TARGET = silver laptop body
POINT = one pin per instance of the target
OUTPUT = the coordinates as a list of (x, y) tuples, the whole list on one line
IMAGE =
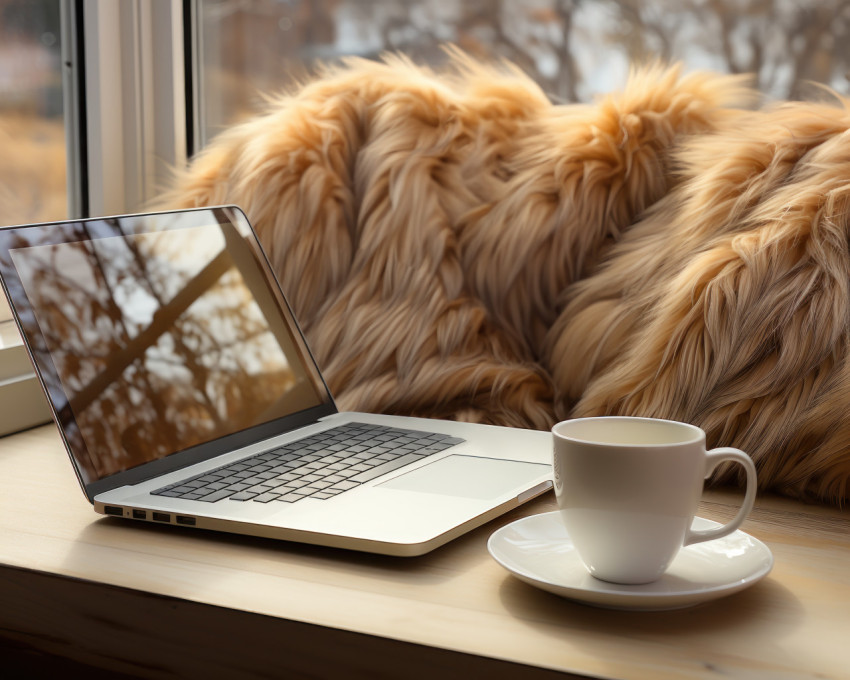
[(185, 394)]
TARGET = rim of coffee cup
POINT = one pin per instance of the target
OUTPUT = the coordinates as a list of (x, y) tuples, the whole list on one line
[(699, 434)]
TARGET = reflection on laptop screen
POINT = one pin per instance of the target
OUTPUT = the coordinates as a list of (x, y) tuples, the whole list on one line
[(160, 338)]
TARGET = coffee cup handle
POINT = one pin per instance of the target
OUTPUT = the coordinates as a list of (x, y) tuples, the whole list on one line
[(712, 459)]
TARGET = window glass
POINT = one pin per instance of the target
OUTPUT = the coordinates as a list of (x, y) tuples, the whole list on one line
[(574, 49), (32, 135)]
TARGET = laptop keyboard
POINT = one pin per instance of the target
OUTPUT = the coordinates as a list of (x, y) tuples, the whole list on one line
[(319, 466)]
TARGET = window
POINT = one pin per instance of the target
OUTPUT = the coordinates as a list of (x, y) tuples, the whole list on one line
[(32, 131), (33, 176), (574, 49), (133, 95), (148, 81)]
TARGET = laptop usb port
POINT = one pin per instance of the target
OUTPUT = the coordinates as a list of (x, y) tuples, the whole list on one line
[(189, 521), (161, 517), (113, 510), (140, 514)]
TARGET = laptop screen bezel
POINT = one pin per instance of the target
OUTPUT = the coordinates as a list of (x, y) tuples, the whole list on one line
[(58, 400)]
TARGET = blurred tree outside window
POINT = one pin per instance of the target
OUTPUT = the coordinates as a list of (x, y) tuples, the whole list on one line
[(32, 133), (575, 49)]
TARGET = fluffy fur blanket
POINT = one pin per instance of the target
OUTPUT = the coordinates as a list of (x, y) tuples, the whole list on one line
[(456, 246)]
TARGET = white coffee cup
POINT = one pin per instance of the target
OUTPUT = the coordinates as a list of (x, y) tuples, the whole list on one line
[(628, 490)]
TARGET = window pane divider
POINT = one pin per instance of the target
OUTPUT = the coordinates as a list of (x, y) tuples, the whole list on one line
[(135, 96)]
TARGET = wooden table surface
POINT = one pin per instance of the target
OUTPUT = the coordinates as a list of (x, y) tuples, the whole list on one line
[(159, 601)]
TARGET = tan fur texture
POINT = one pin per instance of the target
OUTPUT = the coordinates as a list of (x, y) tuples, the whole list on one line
[(456, 246), (728, 305)]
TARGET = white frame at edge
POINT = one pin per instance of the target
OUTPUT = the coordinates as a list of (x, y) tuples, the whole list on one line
[(135, 102)]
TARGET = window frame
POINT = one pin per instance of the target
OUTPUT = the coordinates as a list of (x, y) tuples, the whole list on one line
[(130, 100)]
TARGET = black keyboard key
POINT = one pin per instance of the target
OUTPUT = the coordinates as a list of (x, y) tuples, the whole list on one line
[(170, 493), (216, 496), (244, 496), (292, 497), (266, 497), (368, 475), (339, 487), (320, 485)]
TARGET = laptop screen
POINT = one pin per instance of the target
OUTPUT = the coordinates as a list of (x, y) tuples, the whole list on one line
[(156, 334)]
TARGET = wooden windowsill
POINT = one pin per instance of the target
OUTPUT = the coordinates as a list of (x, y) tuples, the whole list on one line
[(143, 599)]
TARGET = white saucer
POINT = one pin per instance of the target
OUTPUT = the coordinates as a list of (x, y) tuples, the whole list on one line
[(538, 550)]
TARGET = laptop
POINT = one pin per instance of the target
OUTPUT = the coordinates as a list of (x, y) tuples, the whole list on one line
[(185, 394)]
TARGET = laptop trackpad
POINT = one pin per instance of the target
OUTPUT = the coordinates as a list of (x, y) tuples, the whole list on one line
[(469, 477)]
